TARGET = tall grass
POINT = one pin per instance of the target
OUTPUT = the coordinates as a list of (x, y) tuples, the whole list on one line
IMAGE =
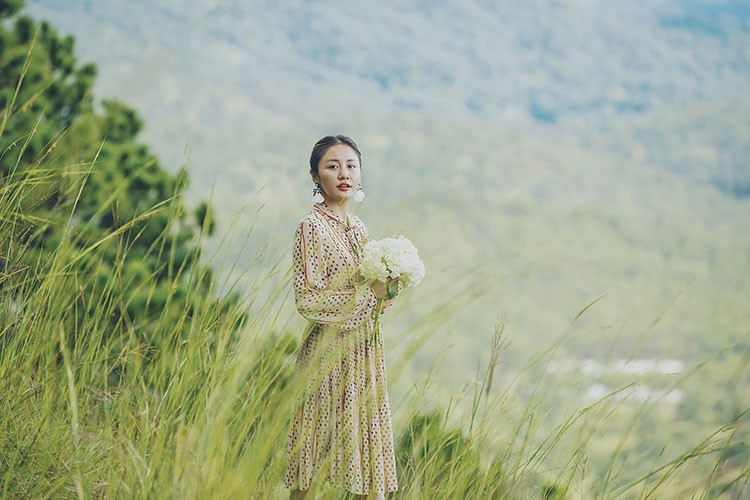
[(92, 410), (204, 414)]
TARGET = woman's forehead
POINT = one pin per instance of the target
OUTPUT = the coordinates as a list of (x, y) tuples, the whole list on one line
[(340, 152)]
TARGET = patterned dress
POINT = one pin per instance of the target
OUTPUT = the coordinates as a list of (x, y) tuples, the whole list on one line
[(341, 426)]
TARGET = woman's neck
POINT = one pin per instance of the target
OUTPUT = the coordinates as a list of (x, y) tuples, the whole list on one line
[(340, 209)]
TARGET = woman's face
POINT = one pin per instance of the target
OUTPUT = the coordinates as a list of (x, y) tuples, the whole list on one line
[(338, 174)]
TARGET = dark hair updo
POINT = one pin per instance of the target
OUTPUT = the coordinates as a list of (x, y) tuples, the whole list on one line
[(326, 142)]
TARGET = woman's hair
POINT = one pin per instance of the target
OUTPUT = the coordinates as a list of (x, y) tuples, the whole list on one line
[(326, 142)]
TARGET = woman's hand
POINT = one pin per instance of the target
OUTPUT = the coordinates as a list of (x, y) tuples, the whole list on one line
[(380, 288)]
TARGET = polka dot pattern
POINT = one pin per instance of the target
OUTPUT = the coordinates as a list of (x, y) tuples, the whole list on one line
[(341, 426)]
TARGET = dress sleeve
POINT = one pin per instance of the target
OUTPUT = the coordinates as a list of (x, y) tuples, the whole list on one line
[(348, 307)]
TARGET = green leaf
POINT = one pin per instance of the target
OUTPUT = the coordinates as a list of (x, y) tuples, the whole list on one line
[(392, 288)]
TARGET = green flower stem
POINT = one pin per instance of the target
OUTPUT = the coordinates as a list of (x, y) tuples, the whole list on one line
[(391, 292), (376, 327)]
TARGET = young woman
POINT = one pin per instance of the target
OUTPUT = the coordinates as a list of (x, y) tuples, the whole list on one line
[(341, 427)]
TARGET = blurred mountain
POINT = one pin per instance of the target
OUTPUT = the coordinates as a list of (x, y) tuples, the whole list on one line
[(206, 70), (546, 60)]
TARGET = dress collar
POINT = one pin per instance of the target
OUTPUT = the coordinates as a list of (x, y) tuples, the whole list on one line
[(326, 210)]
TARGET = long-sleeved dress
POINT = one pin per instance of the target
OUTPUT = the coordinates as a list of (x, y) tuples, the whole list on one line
[(341, 426)]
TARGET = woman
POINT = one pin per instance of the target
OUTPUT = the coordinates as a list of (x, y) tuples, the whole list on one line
[(341, 427)]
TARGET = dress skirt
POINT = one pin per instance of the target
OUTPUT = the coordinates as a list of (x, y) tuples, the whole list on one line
[(341, 427)]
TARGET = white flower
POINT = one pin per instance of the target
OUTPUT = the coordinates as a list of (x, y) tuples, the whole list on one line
[(392, 258)]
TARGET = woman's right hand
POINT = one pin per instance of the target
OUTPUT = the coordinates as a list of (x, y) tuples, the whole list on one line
[(380, 289)]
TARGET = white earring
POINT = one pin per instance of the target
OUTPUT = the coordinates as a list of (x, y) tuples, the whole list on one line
[(359, 195), (317, 195)]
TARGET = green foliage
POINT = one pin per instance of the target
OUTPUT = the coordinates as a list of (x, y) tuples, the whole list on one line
[(91, 188), (9, 7), (432, 457)]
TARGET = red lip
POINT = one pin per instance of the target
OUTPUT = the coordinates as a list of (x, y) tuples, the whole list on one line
[(343, 187)]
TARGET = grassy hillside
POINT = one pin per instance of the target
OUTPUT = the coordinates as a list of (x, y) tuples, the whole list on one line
[(202, 413), (537, 167)]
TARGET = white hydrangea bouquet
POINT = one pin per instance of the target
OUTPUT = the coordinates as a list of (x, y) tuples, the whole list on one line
[(394, 258)]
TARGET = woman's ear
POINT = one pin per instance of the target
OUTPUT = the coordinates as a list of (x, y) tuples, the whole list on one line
[(315, 178)]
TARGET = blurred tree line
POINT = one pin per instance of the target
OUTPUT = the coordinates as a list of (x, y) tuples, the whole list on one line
[(74, 178)]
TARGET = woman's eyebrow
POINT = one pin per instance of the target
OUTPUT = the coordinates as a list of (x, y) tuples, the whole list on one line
[(354, 160)]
